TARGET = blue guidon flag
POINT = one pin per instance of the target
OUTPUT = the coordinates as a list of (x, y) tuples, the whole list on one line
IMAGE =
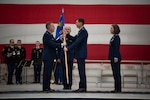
[(60, 25)]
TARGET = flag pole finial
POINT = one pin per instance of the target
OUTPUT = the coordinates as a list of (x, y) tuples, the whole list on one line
[(62, 10)]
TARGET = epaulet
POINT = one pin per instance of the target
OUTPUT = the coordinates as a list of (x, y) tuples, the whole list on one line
[(116, 34), (83, 28), (47, 32)]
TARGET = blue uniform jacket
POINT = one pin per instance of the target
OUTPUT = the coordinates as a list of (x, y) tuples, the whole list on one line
[(114, 48), (80, 44), (50, 45)]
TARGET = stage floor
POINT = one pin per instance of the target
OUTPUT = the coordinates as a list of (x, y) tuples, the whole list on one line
[(35, 91)]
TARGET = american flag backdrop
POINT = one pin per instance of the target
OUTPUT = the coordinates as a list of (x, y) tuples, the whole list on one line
[(25, 20)]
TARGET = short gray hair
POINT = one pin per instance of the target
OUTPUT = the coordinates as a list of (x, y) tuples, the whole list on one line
[(48, 24)]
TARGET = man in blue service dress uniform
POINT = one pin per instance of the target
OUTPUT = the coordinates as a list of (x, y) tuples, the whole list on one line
[(48, 55), (80, 45)]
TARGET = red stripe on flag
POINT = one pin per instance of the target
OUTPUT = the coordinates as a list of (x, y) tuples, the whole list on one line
[(128, 52), (93, 14), (100, 51)]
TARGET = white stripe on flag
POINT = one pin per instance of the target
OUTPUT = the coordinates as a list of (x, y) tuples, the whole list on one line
[(98, 33)]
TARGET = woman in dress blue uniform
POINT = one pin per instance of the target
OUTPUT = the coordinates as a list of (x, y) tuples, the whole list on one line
[(115, 57)]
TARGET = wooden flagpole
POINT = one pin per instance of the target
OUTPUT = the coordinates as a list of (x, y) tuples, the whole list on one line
[(66, 62), (65, 53)]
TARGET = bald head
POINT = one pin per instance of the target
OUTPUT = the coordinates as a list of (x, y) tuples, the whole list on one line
[(67, 29)]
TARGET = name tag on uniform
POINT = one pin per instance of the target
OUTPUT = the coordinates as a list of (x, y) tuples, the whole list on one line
[(14, 53), (18, 52)]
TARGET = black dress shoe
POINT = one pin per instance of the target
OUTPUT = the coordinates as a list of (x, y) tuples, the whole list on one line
[(48, 90), (51, 90), (9, 83), (60, 83), (20, 82), (80, 90), (55, 83), (67, 88), (17, 82), (115, 91), (38, 82)]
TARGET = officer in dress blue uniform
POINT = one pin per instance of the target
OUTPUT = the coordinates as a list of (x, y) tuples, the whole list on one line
[(10, 59), (115, 57), (80, 46), (37, 61), (48, 55), (20, 57), (70, 57)]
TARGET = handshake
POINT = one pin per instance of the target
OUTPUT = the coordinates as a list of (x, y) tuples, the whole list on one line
[(64, 45), (64, 33)]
